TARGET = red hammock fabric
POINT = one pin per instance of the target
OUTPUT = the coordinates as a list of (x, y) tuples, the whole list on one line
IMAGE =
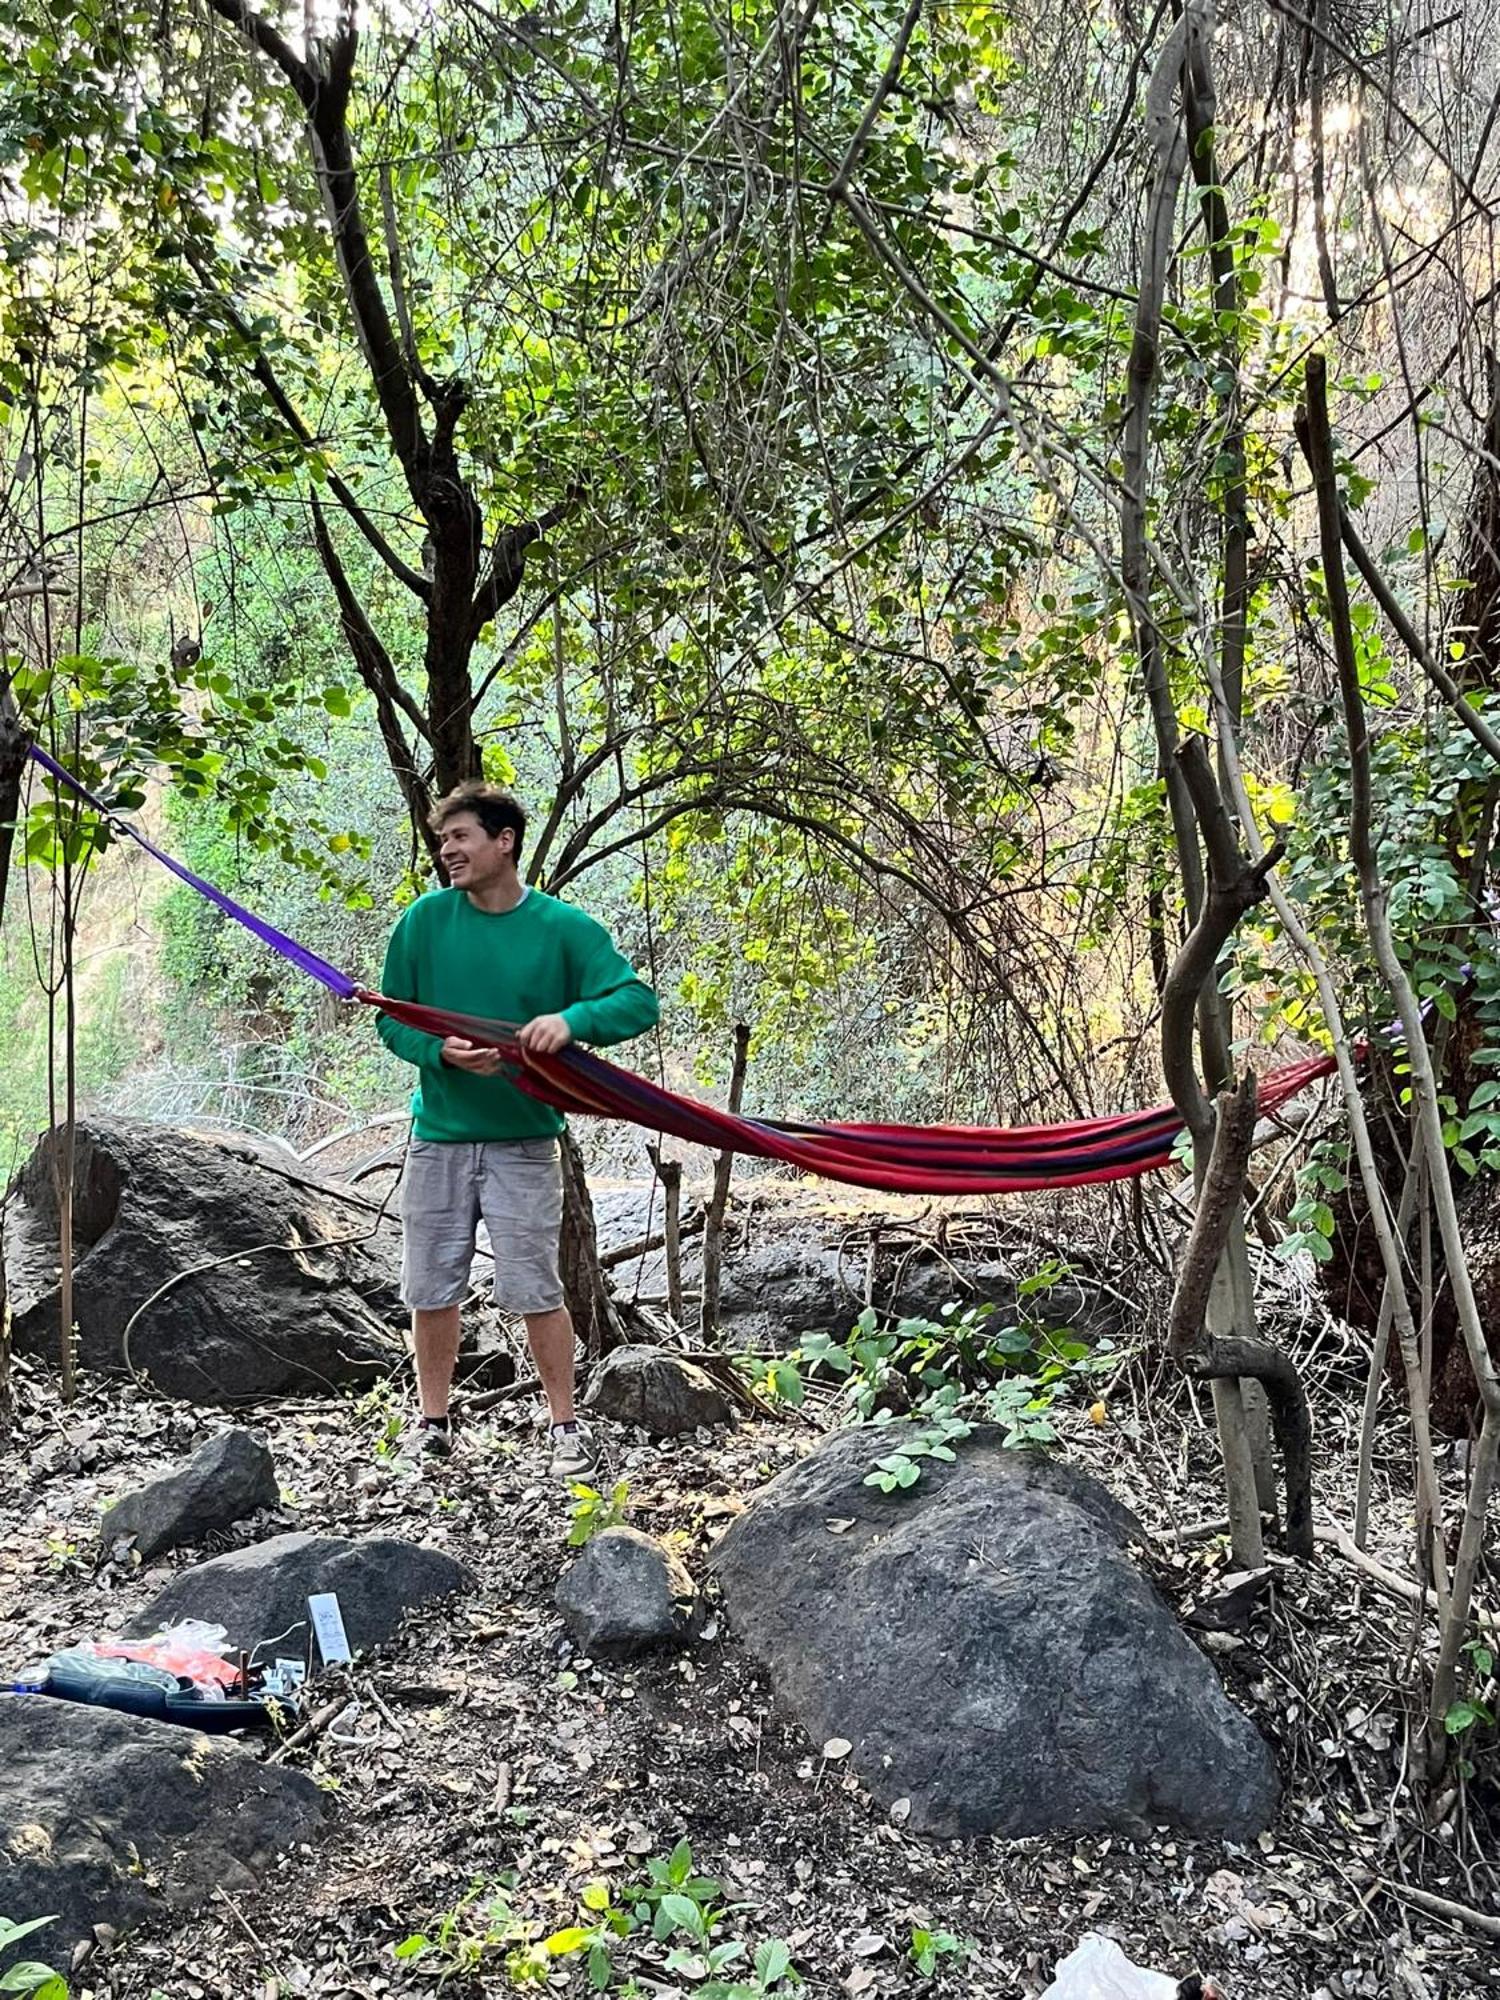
[(905, 1159), (901, 1159)]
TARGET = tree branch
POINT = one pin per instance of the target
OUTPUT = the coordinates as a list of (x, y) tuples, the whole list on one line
[(1223, 1357), (1411, 638), (1234, 886), (282, 403), (398, 286), (325, 100), (508, 559), (270, 42), (379, 675), (883, 90)]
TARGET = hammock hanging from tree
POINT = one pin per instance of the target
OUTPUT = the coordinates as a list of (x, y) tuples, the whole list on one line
[(902, 1159), (899, 1159)]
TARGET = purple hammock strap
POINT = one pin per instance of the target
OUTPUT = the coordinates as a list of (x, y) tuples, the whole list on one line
[(296, 954)]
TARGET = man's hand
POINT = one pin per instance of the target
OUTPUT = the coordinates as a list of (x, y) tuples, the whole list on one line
[(459, 1054), (545, 1035)]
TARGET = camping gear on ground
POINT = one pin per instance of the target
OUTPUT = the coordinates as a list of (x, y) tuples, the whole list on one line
[(179, 1674)]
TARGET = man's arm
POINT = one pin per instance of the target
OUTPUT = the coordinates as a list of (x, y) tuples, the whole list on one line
[(613, 1003), (399, 981)]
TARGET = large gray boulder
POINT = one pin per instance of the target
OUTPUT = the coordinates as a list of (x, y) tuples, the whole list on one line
[(987, 1646), (261, 1592), (108, 1819), (660, 1392), (150, 1204), (625, 1595), (225, 1480), (777, 1289)]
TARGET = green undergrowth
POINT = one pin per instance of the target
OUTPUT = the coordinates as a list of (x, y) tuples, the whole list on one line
[(970, 1367), (669, 1922), (28, 1978)]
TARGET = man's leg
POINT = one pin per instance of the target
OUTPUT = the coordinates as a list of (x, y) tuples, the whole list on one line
[(435, 1336), (550, 1337), (523, 1207), (439, 1212)]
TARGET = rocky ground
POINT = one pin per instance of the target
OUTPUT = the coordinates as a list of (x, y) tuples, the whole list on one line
[(485, 1759)]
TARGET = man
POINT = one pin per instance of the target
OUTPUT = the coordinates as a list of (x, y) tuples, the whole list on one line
[(489, 945)]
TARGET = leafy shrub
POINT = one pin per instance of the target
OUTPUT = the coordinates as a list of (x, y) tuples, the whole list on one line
[(594, 1511), (949, 1375)]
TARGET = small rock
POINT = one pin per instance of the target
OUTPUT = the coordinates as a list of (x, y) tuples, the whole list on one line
[(624, 1595), (230, 1477), (261, 1593), (664, 1394)]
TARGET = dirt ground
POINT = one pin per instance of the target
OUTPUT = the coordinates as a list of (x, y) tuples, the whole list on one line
[(484, 1753)]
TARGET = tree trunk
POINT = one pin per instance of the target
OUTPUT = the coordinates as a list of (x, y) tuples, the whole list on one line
[(13, 748), (713, 1231), (596, 1319)]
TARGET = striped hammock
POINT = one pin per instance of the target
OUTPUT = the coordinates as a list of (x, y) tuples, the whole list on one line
[(901, 1159)]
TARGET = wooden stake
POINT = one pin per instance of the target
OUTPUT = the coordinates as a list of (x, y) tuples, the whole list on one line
[(669, 1173), (713, 1231)]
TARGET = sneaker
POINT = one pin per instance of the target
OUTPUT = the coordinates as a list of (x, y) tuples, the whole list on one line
[(427, 1440), (573, 1450)]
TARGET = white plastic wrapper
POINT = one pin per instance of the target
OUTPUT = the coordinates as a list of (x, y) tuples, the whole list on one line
[(1097, 1969)]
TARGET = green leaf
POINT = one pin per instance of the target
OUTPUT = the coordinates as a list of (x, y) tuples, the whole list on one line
[(12, 1933), (786, 1382), (40, 1982), (682, 1914), (772, 1961), (1463, 1715), (561, 1943)]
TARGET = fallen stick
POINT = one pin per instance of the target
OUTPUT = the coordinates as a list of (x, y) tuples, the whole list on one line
[(491, 1397), (1440, 1906), (239, 1916), (373, 1693), (318, 1720), (1406, 1588), (691, 1225)]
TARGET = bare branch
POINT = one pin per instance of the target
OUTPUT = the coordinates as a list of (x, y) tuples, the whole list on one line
[(379, 675), (883, 90)]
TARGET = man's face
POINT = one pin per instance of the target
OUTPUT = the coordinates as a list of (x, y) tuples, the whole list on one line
[(472, 857)]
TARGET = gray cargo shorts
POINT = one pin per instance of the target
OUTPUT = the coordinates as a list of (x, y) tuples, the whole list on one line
[(516, 1186)]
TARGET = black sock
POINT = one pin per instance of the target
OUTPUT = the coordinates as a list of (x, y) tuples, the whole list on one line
[(436, 1423)]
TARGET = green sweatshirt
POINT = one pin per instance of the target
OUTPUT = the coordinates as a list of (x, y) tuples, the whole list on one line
[(542, 957)]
